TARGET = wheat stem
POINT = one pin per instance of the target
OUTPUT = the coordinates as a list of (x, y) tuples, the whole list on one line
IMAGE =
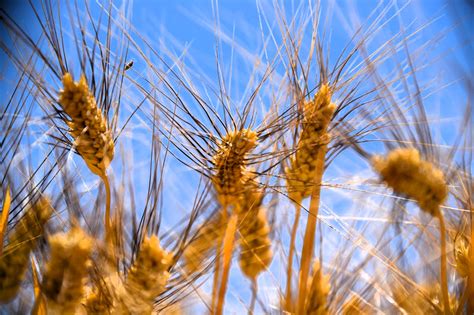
[(107, 224), (217, 266), (444, 277), (309, 236), (39, 307), (289, 269), (228, 246), (4, 217), (470, 277), (215, 283), (254, 296)]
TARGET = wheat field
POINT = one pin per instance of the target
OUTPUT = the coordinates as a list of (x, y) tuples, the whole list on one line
[(236, 157)]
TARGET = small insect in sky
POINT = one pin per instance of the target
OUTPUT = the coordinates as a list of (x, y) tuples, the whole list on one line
[(128, 65)]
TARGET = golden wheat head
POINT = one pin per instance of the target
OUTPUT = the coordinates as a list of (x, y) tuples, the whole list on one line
[(316, 117), (406, 173), (229, 162), (255, 246), (87, 125)]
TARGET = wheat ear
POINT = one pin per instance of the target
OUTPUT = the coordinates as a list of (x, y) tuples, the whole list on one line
[(316, 303), (406, 173), (148, 276), (306, 173), (255, 248), (209, 235), (14, 260), (88, 126), (66, 270), (229, 183), (255, 244), (462, 257), (229, 164)]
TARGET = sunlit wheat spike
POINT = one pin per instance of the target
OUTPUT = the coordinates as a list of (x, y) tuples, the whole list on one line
[(66, 270), (209, 235), (316, 301), (407, 173), (87, 125), (304, 177), (229, 163), (255, 244), (317, 114), (22, 240), (148, 276)]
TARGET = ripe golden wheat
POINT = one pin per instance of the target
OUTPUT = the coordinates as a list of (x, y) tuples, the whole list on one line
[(260, 164)]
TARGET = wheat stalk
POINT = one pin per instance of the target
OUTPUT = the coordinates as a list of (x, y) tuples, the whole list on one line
[(406, 173), (4, 218), (229, 182), (87, 125), (305, 176)]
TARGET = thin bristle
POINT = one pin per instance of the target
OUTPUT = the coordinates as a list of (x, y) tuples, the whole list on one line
[(355, 306), (426, 300), (96, 303)]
